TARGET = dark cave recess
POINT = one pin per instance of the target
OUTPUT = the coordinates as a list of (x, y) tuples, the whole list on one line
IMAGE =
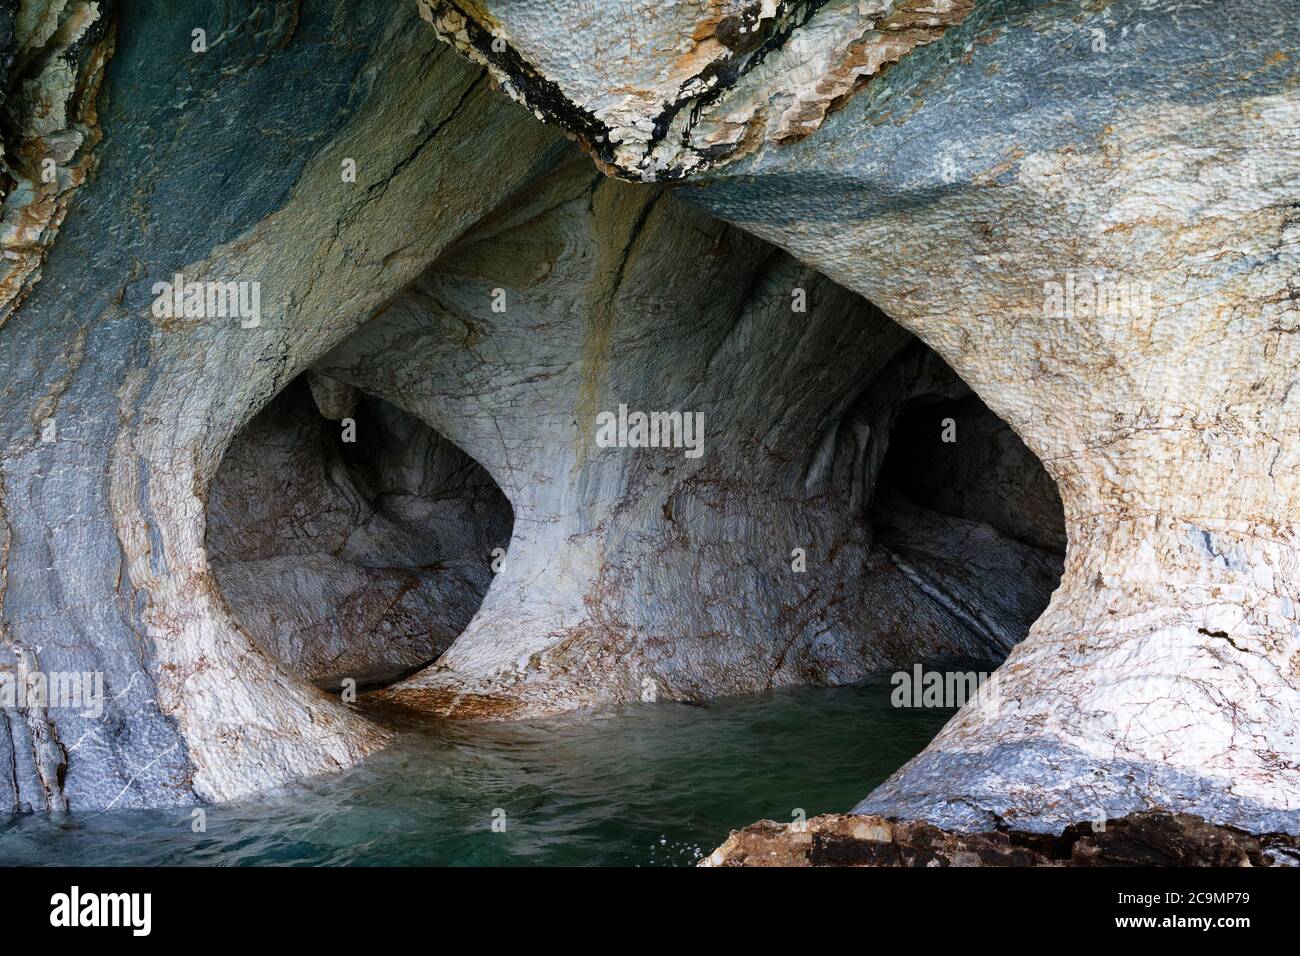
[(358, 559)]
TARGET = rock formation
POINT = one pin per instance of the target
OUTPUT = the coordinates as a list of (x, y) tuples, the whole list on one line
[(356, 559), (1082, 218), (273, 435), (1149, 838), (740, 563), (53, 66), (1092, 219), (226, 157)]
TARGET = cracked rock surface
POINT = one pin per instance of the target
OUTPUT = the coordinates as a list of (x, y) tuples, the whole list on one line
[(52, 58), (657, 91)]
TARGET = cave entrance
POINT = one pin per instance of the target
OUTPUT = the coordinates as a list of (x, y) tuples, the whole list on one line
[(349, 539), (967, 513)]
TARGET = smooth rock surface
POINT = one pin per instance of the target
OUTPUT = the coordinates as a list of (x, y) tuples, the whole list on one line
[(352, 550), (1086, 213)]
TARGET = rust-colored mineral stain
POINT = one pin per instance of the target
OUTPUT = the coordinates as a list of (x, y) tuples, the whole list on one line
[(446, 702), (1146, 838), (887, 42)]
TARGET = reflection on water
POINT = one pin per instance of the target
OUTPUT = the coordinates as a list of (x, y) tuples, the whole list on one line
[(652, 784)]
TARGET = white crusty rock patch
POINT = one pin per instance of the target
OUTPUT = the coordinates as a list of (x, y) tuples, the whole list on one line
[(691, 89)]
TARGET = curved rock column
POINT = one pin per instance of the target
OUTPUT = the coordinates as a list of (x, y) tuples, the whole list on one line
[(225, 160), (985, 191)]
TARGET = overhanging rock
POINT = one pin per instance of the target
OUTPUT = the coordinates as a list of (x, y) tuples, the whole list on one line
[(1094, 221)]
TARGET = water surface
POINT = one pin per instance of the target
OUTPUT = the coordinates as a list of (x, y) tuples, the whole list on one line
[(649, 785)]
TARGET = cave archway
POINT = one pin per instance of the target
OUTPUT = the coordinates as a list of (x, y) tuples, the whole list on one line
[(351, 540), (640, 572), (967, 512)]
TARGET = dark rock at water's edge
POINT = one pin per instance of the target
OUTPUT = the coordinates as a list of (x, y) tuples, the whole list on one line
[(1149, 838)]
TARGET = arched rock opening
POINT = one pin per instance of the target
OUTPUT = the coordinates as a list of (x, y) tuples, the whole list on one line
[(1168, 419), (967, 512), (349, 539), (644, 572), (103, 548)]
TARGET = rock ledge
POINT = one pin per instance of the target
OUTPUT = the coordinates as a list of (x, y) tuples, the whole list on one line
[(1150, 838)]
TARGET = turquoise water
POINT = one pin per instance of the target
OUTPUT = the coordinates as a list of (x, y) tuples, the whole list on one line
[(651, 784)]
